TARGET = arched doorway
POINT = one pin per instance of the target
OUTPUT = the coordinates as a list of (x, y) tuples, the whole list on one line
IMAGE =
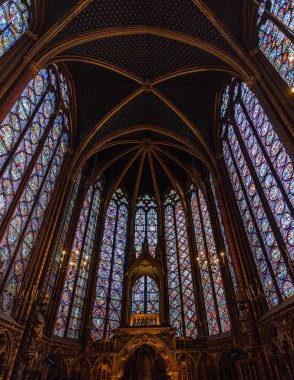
[(145, 364)]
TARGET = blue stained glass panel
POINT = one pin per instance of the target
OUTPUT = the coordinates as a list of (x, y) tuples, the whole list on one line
[(107, 306), (14, 22), (182, 306)]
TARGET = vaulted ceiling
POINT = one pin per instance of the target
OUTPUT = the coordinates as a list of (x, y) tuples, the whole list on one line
[(147, 70)]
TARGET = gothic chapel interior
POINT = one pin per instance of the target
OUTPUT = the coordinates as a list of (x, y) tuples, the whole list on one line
[(146, 189)]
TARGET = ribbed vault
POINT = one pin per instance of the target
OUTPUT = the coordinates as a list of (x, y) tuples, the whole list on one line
[(143, 164), (145, 71)]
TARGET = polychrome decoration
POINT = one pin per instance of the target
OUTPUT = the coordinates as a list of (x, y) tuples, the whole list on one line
[(182, 308), (273, 41), (107, 307), (33, 142), (262, 177), (15, 16), (70, 312), (217, 313), (145, 296), (146, 224)]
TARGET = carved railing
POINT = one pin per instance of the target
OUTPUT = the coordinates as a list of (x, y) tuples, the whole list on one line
[(144, 320)]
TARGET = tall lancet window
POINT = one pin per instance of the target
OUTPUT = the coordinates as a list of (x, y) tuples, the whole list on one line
[(274, 36), (182, 308), (217, 313), (71, 307), (33, 142), (109, 286), (262, 177), (61, 240), (146, 224), (15, 17), (145, 296), (222, 229)]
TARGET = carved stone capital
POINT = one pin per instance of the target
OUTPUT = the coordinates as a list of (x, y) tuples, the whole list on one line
[(32, 35), (147, 86), (33, 67), (253, 79), (253, 52), (72, 177)]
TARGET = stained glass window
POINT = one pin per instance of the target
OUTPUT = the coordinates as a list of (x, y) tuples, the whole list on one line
[(60, 250), (33, 142), (261, 174), (108, 300), (15, 16), (273, 42), (145, 296), (146, 224), (226, 246), (182, 308), (70, 312), (217, 314), (283, 10)]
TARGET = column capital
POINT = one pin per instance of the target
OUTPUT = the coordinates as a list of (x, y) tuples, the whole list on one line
[(32, 35), (252, 80)]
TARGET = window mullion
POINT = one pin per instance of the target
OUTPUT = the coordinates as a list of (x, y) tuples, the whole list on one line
[(208, 265), (256, 226)]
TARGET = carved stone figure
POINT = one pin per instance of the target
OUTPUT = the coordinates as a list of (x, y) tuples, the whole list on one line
[(39, 321)]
